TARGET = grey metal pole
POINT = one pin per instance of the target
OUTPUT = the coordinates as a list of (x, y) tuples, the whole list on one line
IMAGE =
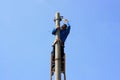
[(57, 50)]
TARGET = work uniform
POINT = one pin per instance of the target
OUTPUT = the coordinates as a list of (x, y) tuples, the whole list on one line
[(63, 35)]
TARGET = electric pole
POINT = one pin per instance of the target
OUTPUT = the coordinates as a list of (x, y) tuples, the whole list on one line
[(57, 49)]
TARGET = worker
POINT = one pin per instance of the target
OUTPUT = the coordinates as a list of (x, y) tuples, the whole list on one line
[(64, 31)]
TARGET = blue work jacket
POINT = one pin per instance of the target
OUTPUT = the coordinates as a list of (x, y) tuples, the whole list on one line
[(63, 33)]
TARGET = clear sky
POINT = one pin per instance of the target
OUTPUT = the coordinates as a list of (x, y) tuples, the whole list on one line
[(92, 47)]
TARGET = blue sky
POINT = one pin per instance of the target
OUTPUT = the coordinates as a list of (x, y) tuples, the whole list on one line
[(92, 48)]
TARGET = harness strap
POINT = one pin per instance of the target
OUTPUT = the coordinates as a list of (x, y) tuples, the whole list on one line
[(57, 58)]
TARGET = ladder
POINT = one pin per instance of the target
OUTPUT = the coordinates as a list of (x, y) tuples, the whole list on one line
[(52, 69)]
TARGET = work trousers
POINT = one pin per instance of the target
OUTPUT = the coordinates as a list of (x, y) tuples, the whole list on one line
[(62, 52)]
